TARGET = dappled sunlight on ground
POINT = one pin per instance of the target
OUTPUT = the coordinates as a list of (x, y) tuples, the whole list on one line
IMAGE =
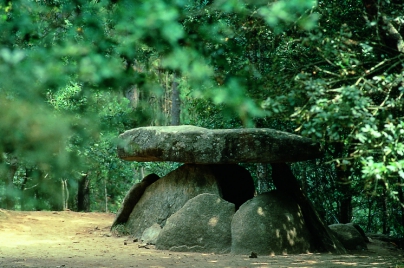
[(70, 239)]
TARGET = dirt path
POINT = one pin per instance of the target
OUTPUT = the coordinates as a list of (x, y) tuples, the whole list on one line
[(71, 239)]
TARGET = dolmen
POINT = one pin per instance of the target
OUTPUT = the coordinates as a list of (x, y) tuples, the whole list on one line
[(209, 205)]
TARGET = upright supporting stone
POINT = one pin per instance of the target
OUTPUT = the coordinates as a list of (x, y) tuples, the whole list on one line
[(323, 238), (131, 198), (219, 150)]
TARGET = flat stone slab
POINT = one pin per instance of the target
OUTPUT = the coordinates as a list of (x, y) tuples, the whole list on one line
[(197, 145)]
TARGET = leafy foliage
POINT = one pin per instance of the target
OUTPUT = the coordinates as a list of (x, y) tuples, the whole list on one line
[(319, 69)]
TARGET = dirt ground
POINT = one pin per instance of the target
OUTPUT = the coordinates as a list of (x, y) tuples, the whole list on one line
[(71, 239)]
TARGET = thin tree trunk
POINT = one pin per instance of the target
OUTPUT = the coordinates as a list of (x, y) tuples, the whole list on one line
[(141, 173), (344, 187), (323, 238), (345, 213), (370, 217), (83, 193), (10, 189), (167, 98), (67, 195), (401, 198), (23, 197), (106, 195), (132, 94), (386, 216), (63, 194), (175, 103)]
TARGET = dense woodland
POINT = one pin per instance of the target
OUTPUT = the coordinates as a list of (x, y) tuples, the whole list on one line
[(75, 74)]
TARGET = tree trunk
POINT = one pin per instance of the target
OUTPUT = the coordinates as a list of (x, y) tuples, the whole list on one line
[(322, 237), (175, 103), (65, 194), (83, 193), (23, 197), (401, 198), (345, 212), (10, 197), (106, 195), (386, 216), (64, 207), (132, 94), (370, 217), (343, 187)]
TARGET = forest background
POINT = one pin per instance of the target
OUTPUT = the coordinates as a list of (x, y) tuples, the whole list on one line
[(76, 74)]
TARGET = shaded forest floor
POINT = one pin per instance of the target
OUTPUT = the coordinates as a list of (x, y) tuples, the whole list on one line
[(71, 239)]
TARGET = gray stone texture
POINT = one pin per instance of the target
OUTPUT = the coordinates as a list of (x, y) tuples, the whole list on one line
[(201, 225), (150, 234), (190, 144), (349, 236), (269, 224), (132, 197), (360, 230), (168, 194)]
